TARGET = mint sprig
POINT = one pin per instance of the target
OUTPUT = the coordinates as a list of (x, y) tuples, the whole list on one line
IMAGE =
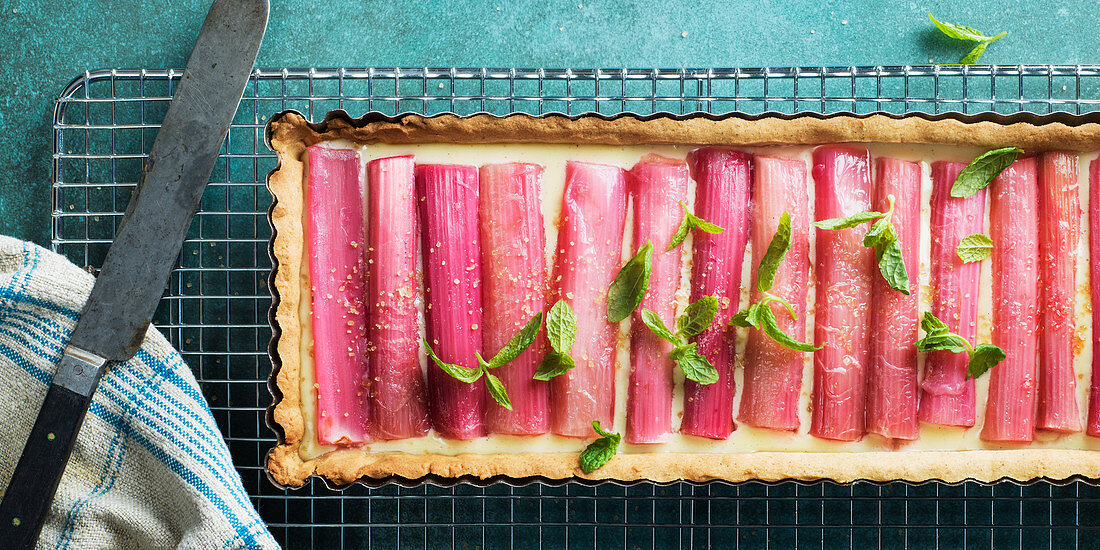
[(974, 248), (630, 284), (759, 315), (938, 337), (970, 34), (882, 236), (519, 342), (691, 221), (561, 331), (982, 170), (600, 451), (695, 319)]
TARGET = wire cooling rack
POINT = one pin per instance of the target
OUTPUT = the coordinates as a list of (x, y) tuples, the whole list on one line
[(216, 302)]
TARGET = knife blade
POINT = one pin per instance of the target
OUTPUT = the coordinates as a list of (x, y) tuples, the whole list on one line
[(131, 282)]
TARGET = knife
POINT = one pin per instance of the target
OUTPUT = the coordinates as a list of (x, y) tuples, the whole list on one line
[(116, 317)]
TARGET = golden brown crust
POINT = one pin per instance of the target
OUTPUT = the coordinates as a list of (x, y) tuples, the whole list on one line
[(630, 130), (343, 467), (290, 134)]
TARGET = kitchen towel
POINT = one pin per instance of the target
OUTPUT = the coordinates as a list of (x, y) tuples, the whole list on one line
[(150, 468)]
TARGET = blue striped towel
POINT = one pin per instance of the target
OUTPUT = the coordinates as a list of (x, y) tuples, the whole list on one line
[(150, 468)]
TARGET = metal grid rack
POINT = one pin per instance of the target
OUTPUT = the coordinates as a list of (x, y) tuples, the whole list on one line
[(215, 307)]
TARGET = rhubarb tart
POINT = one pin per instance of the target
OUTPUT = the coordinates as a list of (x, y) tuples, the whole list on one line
[(684, 298)]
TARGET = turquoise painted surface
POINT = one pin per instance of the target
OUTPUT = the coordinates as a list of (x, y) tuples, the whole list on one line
[(46, 43)]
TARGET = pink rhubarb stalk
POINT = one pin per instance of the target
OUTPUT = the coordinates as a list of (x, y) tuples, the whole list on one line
[(448, 197), (1093, 423), (334, 207), (658, 185), (892, 391), (773, 373), (843, 309), (589, 253), (399, 407), (1014, 228), (1060, 210), (947, 396), (723, 186), (513, 264)]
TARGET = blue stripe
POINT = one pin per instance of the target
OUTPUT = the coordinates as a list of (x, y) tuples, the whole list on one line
[(113, 381), (178, 468), (14, 290), (170, 372)]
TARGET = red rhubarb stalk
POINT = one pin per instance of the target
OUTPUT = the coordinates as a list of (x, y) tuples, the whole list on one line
[(723, 185), (334, 206), (773, 373), (1094, 281), (1060, 210), (399, 406), (448, 197), (843, 309), (892, 391), (658, 186), (513, 264), (1014, 229), (947, 395), (589, 252)]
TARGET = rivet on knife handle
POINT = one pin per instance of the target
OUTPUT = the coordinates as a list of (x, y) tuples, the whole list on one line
[(125, 295)]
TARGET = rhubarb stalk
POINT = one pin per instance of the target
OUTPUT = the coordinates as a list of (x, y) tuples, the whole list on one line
[(947, 395), (1014, 229), (892, 391), (399, 407), (513, 263), (334, 207), (658, 186), (843, 310), (448, 197), (773, 373), (1094, 281), (589, 251), (1060, 210), (723, 184)]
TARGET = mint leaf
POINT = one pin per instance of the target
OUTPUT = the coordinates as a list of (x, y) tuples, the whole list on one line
[(458, 372), (629, 286), (600, 451), (520, 341), (985, 357), (777, 250), (561, 327), (850, 221), (939, 336), (771, 327), (694, 366), (982, 170), (892, 266), (963, 32), (497, 391), (883, 238), (974, 248), (932, 324), (697, 317), (554, 364), (748, 317), (881, 233), (655, 324), (691, 221), (975, 53)]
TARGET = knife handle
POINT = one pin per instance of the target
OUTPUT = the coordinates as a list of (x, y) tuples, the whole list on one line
[(31, 489)]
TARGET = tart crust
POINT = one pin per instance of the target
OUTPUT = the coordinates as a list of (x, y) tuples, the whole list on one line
[(289, 134)]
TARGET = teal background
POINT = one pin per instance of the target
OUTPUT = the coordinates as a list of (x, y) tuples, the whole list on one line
[(45, 43)]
